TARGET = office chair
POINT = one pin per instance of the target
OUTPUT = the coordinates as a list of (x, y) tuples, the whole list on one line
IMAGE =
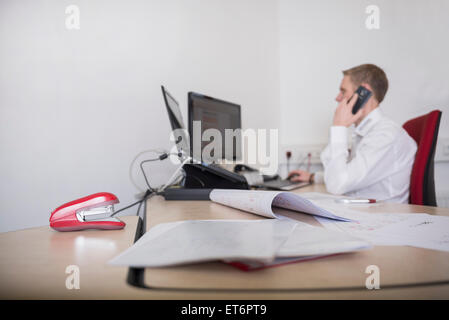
[(424, 130)]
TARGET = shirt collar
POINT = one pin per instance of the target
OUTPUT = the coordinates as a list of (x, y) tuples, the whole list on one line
[(368, 123)]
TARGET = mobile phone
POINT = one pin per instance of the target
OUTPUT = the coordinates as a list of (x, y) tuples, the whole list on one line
[(364, 95)]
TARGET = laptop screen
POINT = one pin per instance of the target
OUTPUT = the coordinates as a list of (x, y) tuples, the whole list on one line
[(180, 134)]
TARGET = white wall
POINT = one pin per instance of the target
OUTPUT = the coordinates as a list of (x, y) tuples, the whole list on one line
[(319, 39), (77, 106)]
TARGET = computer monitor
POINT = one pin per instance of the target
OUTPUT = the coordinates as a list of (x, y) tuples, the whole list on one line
[(215, 114), (177, 123)]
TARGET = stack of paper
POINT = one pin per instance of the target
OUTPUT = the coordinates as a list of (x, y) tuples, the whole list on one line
[(260, 241)]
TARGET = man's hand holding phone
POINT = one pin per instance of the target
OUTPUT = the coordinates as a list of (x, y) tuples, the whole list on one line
[(343, 114)]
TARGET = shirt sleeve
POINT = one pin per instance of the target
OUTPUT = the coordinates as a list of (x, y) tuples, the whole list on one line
[(341, 176)]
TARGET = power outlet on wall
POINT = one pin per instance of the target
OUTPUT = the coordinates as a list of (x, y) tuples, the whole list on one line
[(300, 153), (299, 158)]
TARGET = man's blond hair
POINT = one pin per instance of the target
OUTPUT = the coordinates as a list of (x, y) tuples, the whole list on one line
[(371, 74)]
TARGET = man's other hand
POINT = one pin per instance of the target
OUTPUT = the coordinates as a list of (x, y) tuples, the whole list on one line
[(343, 114), (299, 176)]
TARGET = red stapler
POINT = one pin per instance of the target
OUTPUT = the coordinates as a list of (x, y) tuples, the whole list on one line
[(91, 212)]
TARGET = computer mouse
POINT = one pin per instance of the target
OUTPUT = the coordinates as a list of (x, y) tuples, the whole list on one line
[(90, 212)]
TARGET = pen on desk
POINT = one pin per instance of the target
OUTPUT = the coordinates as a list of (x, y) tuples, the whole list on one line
[(356, 200)]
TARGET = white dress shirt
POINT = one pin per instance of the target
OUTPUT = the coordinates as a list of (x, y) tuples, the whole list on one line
[(379, 165)]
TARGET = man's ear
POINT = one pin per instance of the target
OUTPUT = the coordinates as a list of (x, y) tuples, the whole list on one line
[(366, 85)]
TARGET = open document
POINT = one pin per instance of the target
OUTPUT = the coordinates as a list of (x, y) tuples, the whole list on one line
[(261, 202), (261, 241), (385, 229), (422, 231)]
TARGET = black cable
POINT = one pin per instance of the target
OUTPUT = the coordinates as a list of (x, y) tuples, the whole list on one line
[(143, 171), (131, 205), (163, 156), (150, 190), (147, 193), (138, 208), (142, 203)]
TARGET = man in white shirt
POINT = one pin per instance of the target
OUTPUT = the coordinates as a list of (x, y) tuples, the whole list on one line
[(380, 161)]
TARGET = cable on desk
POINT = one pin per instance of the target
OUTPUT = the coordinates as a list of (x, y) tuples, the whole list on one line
[(147, 194)]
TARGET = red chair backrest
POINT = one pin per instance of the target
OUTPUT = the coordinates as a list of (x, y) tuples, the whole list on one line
[(424, 130)]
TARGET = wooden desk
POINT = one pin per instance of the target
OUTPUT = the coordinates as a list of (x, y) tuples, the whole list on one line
[(33, 263)]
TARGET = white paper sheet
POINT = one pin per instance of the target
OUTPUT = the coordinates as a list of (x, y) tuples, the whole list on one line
[(423, 231), (307, 240), (386, 229), (194, 241), (261, 202), (190, 241)]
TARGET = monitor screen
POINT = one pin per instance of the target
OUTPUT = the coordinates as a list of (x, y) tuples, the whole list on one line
[(214, 114), (177, 123)]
